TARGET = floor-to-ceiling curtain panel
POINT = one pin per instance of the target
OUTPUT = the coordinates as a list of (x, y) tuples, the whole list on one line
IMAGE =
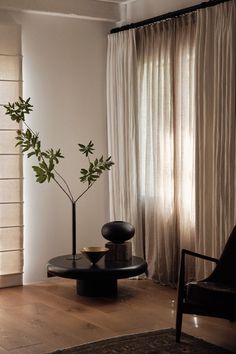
[(122, 110), (166, 79), (184, 134), (215, 127)]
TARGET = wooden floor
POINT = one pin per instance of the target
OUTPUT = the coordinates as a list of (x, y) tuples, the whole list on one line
[(46, 316)]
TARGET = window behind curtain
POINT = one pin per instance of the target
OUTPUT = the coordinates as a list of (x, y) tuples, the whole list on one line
[(11, 174), (166, 126), (167, 120)]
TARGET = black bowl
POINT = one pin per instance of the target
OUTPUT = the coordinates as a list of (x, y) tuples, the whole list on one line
[(118, 231)]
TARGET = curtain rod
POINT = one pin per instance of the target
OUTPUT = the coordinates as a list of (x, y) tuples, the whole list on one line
[(168, 15)]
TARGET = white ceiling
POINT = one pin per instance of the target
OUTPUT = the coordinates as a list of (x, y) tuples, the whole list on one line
[(118, 1), (100, 10)]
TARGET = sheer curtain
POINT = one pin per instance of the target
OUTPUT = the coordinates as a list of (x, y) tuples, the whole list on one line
[(122, 110), (215, 127), (166, 135), (11, 174), (182, 161)]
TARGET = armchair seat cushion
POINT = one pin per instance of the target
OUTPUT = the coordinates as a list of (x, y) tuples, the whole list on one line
[(214, 296)]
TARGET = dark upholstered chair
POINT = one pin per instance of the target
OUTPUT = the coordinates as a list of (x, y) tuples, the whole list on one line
[(214, 296)]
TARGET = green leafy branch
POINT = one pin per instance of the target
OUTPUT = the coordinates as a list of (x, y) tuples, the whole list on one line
[(47, 159), (45, 170), (95, 169), (17, 110)]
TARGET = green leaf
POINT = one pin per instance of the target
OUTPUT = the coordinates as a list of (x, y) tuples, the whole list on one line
[(87, 149), (28, 134), (38, 170), (51, 165), (83, 179), (43, 165), (49, 176), (17, 144), (26, 148), (31, 154), (41, 178)]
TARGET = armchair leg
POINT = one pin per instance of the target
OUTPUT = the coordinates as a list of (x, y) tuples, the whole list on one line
[(178, 327), (180, 297)]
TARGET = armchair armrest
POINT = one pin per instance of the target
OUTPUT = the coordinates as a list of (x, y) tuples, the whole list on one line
[(198, 255), (182, 270)]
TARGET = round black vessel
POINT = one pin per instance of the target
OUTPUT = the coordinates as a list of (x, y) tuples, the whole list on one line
[(118, 231)]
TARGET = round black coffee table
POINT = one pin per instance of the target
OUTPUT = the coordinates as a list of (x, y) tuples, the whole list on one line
[(95, 280)]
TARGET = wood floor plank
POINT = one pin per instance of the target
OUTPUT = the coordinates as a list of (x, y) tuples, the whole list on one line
[(43, 317)]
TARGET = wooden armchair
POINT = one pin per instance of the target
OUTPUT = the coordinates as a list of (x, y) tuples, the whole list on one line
[(214, 296)]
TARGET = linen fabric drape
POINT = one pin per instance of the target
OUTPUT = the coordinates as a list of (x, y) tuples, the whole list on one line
[(122, 131), (175, 169), (11, 172), (216, 128), (166, 136)]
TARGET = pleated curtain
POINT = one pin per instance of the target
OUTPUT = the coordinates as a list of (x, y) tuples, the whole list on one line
[(215, 128), (166, 136), (11, 173), (122, 110), (175, 170)]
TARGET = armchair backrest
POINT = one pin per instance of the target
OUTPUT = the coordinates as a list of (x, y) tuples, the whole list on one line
[(225, 270)]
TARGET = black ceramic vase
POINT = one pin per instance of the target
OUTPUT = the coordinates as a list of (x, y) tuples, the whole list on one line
[(118, 231)]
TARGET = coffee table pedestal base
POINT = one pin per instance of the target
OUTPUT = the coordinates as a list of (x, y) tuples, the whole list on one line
[(100, 280), (97, 287)]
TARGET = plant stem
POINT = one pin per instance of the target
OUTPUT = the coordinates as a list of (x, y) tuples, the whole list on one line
[(72, 198), (29, 128), (60, 186), (84, 192)]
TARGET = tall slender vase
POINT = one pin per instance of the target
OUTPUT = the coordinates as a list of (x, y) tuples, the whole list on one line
[(73, 230), (73, 255)]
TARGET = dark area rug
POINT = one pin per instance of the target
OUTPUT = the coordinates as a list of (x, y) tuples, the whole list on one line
[(155, 342)]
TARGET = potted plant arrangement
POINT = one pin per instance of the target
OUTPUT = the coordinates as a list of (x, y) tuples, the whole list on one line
[(48, 160)]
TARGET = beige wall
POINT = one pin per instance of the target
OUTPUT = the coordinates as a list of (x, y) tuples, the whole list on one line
[(142, 9), (64, 73)]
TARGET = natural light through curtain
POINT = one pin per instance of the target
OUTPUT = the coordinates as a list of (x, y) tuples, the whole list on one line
[(185, 129), (11, 174), (166, 77)]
